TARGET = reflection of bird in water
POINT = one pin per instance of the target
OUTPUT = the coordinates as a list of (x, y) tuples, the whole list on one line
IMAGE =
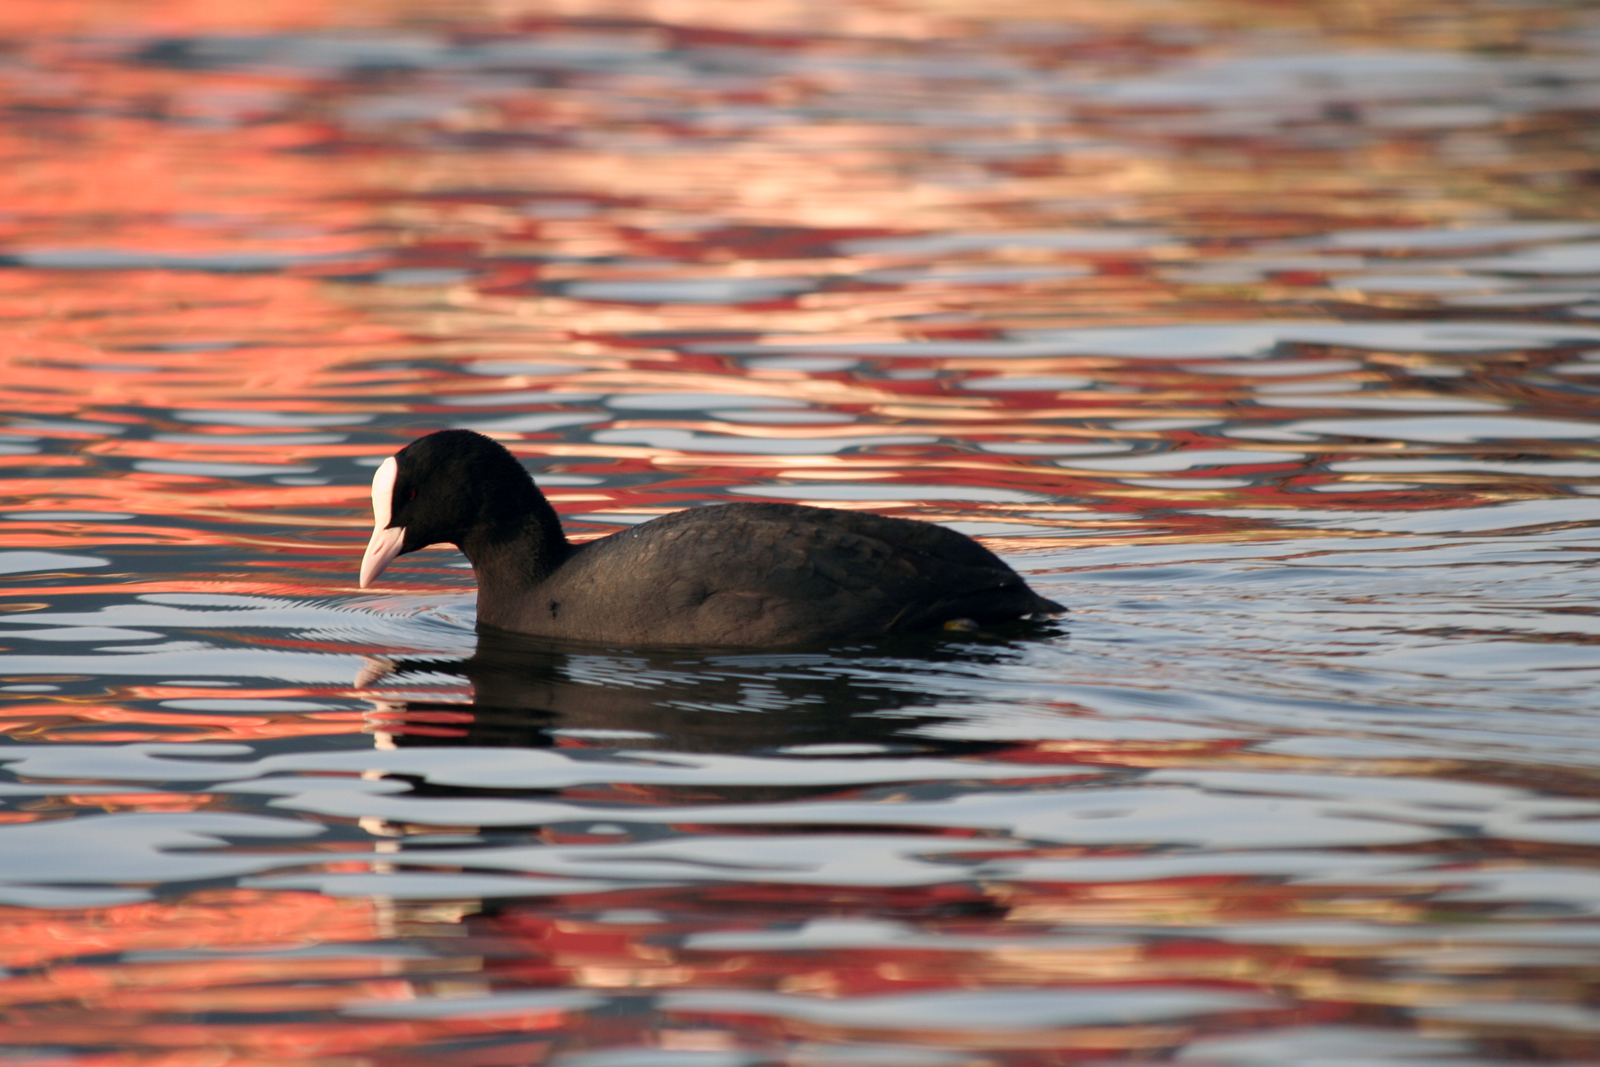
[(870, 702), (736, 575), (732, 728)]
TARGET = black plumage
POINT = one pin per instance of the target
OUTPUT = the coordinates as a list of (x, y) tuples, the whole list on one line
[(745, 574)]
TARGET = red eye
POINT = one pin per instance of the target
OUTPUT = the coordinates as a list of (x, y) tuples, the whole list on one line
[(411, 494)]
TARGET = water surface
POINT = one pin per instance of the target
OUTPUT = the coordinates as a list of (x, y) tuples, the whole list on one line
[(1266, 340)]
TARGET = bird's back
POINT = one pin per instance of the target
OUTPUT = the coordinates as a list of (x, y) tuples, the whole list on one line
[(772, 574)]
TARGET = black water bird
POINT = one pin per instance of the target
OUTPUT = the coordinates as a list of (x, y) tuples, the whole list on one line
[(731, 575)]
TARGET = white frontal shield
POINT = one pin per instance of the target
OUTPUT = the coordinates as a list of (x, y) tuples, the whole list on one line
[(386, 539)]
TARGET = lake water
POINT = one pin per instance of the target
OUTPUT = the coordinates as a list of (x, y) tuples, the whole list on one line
[(1264, 337)]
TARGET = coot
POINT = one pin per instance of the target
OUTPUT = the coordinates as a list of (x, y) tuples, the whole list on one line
[(750, 575)]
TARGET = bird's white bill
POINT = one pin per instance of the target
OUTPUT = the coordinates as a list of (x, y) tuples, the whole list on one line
[(386, 540), (384, 547)]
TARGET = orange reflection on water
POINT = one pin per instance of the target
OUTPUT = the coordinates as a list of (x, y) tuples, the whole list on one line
[(237, 917), (58, 721)]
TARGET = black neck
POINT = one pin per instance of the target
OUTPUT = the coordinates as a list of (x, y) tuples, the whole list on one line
[(509, 562)]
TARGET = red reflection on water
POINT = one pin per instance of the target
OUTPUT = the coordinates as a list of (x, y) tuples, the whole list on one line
[(63, 721)]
